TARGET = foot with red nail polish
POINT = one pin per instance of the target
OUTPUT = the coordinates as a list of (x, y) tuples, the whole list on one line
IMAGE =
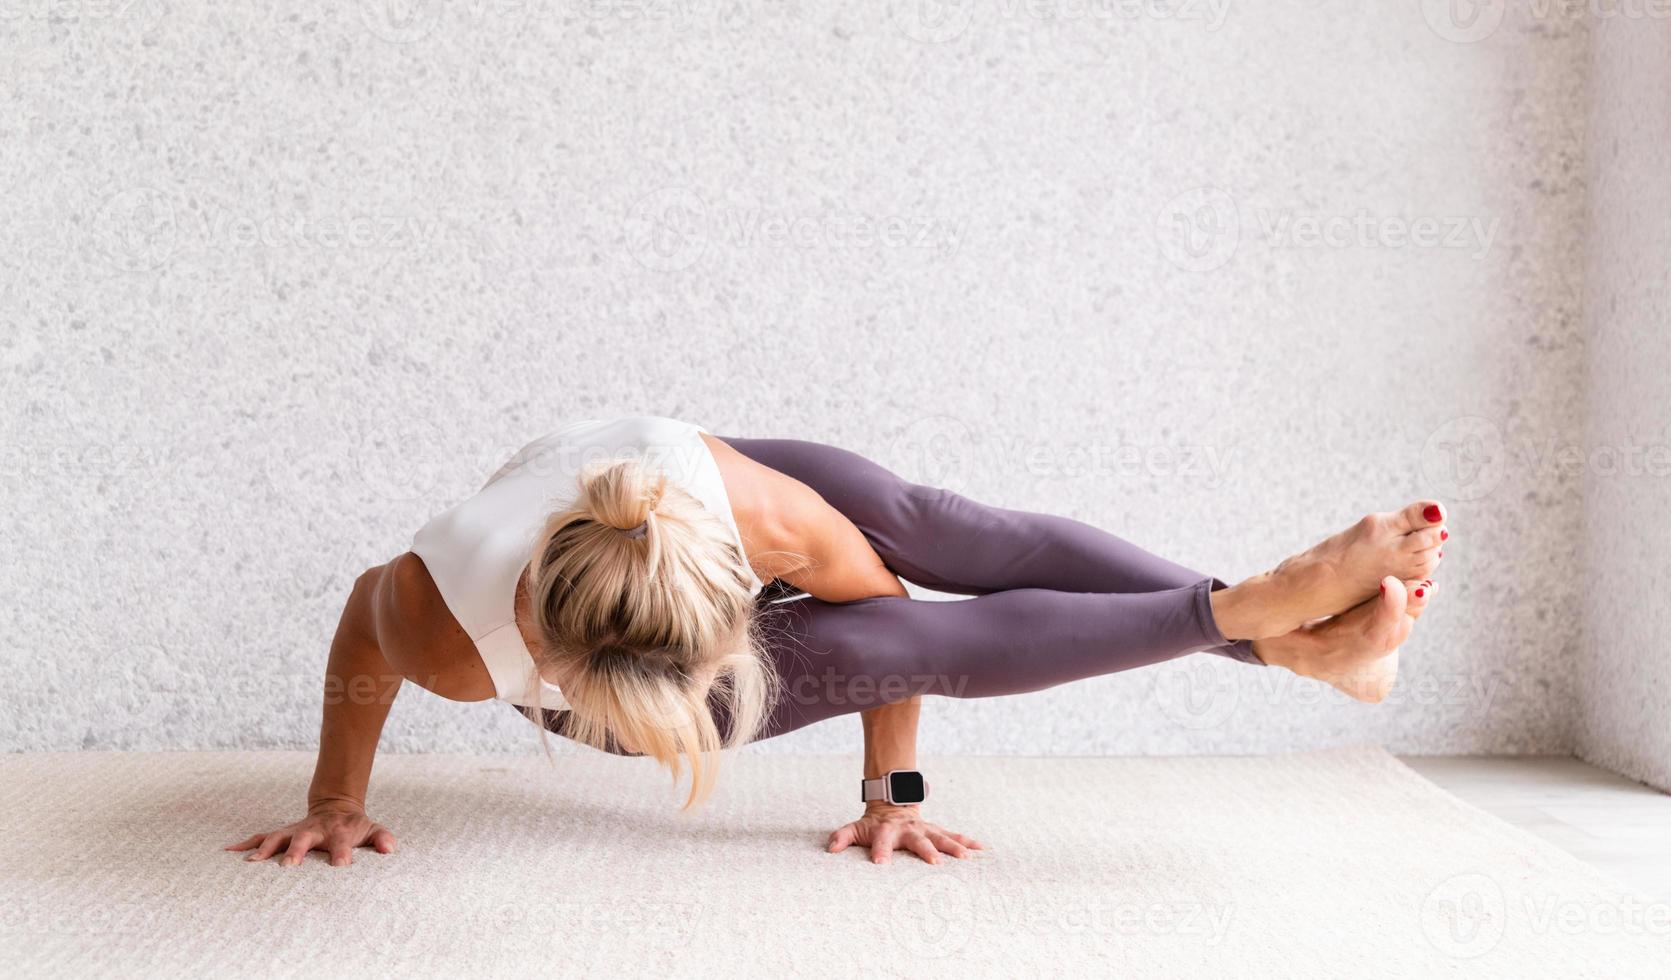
[(1357, 651), (1421, 594), (1335, 575)]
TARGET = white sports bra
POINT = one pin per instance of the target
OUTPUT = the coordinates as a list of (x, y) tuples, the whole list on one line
[(477, 551)]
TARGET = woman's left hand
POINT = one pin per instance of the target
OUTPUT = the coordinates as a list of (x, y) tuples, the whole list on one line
[(886, 828)]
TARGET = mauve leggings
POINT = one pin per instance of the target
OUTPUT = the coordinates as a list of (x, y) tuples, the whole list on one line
[(1056, 600)]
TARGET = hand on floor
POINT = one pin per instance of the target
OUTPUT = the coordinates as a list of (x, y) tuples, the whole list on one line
[(335, 829), (886, 828)]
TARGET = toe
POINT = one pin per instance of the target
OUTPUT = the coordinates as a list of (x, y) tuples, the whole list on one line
[(1424, 539), (1389, 624), (1421, 593), (1423, 563), (1394, 597), (1419, 515)]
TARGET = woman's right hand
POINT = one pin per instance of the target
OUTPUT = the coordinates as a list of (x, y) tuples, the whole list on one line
[(336, 828)]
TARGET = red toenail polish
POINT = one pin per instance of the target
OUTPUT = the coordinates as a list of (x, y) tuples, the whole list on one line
[(1420, 593), (1444, 535), (1432, 513)]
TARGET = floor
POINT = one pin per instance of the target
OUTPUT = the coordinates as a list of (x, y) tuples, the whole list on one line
[(1342, 863), (1614, 823)]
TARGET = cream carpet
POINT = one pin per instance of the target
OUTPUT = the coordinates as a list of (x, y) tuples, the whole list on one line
[(1337, 864)]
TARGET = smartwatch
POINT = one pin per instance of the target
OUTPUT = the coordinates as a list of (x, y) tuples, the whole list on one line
[(900, 787)]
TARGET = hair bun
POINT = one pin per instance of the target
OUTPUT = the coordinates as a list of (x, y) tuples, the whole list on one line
[(622, 494)]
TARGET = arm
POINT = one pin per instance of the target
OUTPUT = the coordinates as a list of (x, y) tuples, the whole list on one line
[(394, 627), (388, 632), (360, 688), (834, 562)]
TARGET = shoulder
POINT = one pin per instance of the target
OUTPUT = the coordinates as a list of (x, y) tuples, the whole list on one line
[(419, 636), (774, 512), (793, 533)]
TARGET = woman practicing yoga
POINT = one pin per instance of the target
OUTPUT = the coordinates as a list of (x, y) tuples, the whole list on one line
[(610, 581)]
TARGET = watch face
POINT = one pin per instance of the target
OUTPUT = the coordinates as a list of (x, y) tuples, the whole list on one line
[(907, 787)]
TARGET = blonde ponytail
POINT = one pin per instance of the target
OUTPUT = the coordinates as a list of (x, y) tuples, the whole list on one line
[(643, 606)]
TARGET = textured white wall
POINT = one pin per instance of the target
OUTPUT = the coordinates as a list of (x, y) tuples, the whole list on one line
[(278, 285), (1625, 722)]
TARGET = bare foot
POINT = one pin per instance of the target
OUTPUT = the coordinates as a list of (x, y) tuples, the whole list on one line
[(1335, 575), (1357, 651)]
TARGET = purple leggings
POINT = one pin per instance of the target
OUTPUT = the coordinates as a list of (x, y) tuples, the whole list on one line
[(1056, 600)]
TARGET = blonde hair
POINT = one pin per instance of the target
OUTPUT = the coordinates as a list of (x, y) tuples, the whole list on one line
[(643, 605)]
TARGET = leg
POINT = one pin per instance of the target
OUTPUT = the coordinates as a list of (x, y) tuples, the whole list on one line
[(838, 658), (947, 542), (944, 541)]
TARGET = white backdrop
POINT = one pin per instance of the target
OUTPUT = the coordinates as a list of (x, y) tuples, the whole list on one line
[(1625, 683), (275, 287)]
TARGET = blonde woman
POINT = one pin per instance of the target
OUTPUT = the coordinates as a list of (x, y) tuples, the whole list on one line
[(610, 580)]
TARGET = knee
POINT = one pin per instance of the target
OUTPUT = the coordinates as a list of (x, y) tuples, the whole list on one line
[(843, 656)]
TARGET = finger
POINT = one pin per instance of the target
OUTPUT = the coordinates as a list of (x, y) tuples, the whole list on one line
[(300, 845), (918, 843), (341, 854), (381, 839), (842, 838), (944, 842), (882, 848), (270, 845), (969, 842), (254, 840)]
